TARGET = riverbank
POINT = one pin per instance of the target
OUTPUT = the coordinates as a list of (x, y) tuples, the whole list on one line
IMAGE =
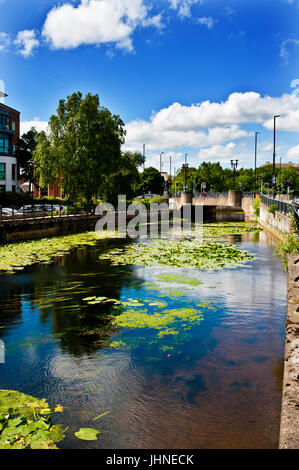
[(289, 428)]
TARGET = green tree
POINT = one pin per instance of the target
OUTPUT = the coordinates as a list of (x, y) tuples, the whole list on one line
[(126, 180), (24, 152), (82, 148), (178, 182), (213, 175), (151, 181)]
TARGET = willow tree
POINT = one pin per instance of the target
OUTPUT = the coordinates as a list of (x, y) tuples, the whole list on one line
[(81, 148)]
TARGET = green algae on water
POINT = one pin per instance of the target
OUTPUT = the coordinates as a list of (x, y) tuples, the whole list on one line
[(16, 256), (204, 255)]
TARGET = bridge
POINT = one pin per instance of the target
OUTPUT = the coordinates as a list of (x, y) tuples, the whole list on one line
[(233, 206)]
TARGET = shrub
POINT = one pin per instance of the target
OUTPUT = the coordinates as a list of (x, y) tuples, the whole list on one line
[(147, 201), (14, 199), (272, 209), (256, 204), (289, 243)]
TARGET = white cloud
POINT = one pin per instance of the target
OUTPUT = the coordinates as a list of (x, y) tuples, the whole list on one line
[(218, 152), (184, 6), (212, 123), (284, 49), (97, 22), (293, 154), (207, 21), (27, 125), (156, 138), (26, 42), (4, 41)]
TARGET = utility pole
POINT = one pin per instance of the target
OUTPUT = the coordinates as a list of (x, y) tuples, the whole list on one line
[(161, 154), (143, 157), (185, 166), (274, 155), (234, 166), (255, 159)]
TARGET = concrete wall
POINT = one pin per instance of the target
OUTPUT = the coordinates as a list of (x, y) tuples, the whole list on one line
[(247, 208), (210, 201), (28, 230), (275, 223), (289, 427)]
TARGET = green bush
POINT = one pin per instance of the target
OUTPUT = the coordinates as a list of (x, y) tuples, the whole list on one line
[(256, 204), (147, 201), (289, 243), (272, 209), (14, 199)]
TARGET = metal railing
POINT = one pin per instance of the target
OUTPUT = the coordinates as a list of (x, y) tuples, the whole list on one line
[(284, 207), (38, 212)]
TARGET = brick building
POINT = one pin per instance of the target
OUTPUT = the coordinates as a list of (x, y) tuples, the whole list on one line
[(9, 135)]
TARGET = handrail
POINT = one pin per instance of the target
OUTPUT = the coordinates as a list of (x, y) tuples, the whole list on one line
[(284, 207)]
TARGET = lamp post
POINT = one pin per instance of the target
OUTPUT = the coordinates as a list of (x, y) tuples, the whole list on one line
[(274, 154), (185, 167), (161, 154), (234, 166), (255, 158), (170, 161)]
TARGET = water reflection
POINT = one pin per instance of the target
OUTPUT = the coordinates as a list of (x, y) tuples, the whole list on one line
[(214, 384)]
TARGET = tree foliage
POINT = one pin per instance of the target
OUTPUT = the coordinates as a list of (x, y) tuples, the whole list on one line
[(151, 181), (82, 149), (24, 152)]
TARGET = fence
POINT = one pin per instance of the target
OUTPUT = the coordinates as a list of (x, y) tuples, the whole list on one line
[(284, 207), (39, 212)]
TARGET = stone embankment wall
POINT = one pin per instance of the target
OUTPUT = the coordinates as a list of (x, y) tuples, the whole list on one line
[(289, 428), (275, 223), (48, 227)]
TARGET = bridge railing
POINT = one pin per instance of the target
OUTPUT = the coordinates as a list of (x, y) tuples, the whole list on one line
[(284, 207)]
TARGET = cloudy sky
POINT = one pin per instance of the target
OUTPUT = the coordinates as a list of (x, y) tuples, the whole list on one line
[(186, 76)]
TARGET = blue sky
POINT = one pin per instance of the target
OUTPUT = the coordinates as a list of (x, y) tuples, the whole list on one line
[(186, 76)]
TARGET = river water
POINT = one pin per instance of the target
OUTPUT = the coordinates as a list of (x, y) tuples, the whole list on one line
[(214, 385)]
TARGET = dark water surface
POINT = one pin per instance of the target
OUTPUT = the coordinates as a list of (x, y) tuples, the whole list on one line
[(216, 385)]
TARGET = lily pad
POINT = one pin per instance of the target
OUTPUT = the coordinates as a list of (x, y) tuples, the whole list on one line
[(87, 434)]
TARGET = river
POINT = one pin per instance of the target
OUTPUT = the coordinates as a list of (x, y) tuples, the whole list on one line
[(215, 382)]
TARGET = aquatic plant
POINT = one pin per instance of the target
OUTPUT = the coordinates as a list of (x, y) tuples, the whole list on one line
[(16, 256), (159, 320), (204, 255), (179, 279), (26, 422)]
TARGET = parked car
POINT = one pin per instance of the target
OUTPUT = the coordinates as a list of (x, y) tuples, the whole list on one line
[(150, 195), (8, 212), (296, 201)]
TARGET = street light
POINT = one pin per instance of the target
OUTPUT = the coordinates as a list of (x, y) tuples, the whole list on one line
[(161, 154), (274, 154), (234, 166), (185, 167), (255, 170)]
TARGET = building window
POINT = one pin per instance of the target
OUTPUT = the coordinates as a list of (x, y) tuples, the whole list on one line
[(13, 188), (2, 171), (4, 122), (13, 172), (2, 188), (5, 143), (13, 126)]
